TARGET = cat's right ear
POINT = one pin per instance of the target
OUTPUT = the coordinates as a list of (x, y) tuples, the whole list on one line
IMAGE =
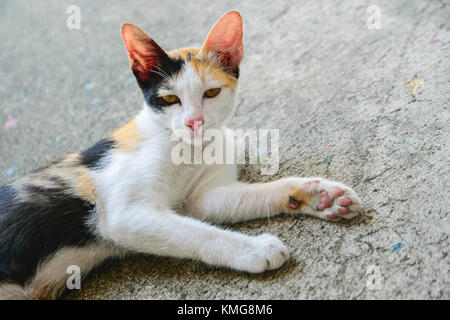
[(145, 54)]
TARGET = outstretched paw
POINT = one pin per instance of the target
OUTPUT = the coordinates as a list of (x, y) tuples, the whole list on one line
[(264, 252), (324, 199)]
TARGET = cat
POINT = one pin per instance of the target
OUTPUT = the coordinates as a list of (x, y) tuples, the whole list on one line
[(125, 195)]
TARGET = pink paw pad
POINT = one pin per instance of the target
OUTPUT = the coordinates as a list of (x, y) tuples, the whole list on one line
[(345, 202), (307, 186), (325, 201), (337, 192), (332, 216), (343, 210)]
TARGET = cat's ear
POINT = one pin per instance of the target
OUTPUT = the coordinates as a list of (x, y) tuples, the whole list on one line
[(145, 54), (225, 39)]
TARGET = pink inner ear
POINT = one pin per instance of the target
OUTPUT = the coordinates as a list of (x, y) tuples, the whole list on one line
[(226, 38), (145, 53), (142, 50)]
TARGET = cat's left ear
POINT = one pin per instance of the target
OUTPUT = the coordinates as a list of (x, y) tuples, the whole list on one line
[(145, 54), (225, 39)]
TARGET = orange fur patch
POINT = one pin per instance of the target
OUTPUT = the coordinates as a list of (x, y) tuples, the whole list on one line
[(128, 137), (183, 53), (86, 186), (301, 196), (204, 66), (68, 170), (43, 293)]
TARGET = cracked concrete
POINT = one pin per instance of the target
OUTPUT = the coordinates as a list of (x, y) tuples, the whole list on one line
[(314, 70)]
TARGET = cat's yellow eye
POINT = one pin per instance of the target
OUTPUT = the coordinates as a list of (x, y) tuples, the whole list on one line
[(170, 99), (211, 93)]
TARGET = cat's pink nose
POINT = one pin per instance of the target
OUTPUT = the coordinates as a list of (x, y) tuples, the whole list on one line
[(194, 124)]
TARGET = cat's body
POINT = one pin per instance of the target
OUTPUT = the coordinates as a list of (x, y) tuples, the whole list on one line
[(126, 195)]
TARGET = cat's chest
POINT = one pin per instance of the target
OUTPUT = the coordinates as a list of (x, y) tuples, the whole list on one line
[(178, 181), (156, 178)]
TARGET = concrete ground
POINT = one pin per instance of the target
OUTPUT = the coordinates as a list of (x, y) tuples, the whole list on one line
[(364, 106)]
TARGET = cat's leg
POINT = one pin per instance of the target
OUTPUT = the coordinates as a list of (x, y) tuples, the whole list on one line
[(12, 291), (51, 276), (236, 202), (166, 233)]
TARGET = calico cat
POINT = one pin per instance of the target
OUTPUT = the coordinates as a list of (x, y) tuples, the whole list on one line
[(124, 194)]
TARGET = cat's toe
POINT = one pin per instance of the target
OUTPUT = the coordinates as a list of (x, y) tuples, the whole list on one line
[(335, 201)]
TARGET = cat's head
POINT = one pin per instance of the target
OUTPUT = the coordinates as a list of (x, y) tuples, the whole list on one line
[(190, 87)]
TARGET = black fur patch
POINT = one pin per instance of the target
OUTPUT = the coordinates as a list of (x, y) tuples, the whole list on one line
[(167, 67), (235, 73), (151, 99), (92, 156), (32, 230)]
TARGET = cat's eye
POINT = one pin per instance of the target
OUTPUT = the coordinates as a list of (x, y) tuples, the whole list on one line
[(211, 93), (170, 99)]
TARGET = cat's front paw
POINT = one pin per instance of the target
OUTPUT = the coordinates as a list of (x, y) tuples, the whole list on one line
[(322, 198), (264, 252)]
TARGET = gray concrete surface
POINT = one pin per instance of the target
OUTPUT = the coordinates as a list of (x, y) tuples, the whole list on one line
[(314, 70)]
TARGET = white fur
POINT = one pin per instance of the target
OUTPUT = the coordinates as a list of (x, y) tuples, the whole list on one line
[(149, 204), (190, 89)]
